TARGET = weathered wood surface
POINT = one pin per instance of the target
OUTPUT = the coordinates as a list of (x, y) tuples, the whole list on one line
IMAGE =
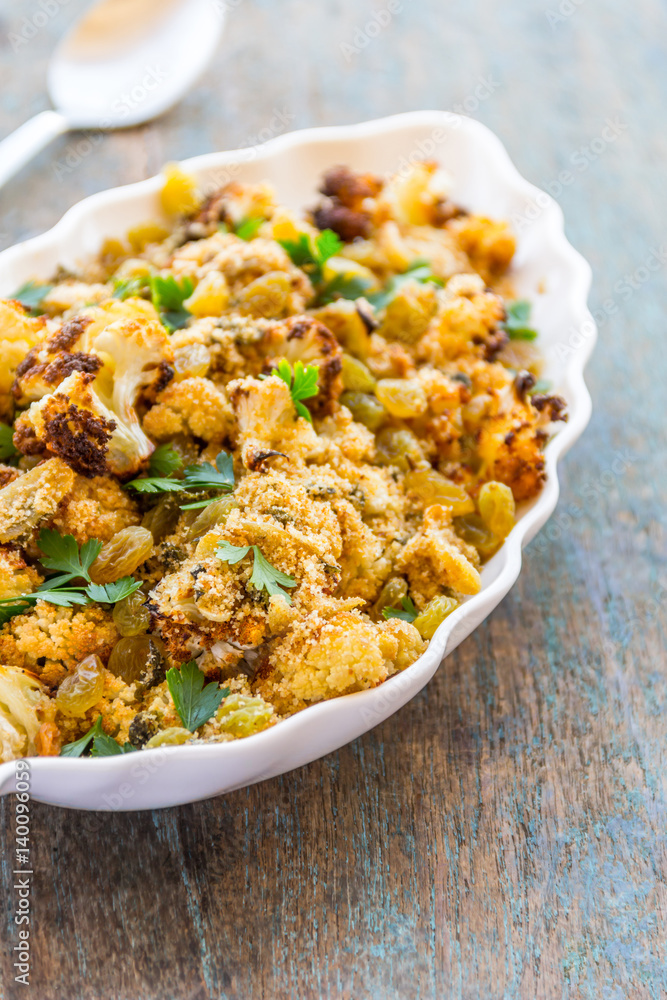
[(504, 835)]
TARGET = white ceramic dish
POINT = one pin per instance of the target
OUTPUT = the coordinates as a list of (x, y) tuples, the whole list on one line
[(547, 270)]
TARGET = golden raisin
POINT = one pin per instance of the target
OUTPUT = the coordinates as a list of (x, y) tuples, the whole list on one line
[(122, 554)]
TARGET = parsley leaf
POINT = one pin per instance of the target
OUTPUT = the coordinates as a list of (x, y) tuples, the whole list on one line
[(312, 257), (302, 383), (62, 553), (408, 614), (111, 593), (127, 288), (164, 461), (7, 449), (419, 271), (267, 577), (231, 553), (518, 318), (103, 745), (195, 477), (106, 746), (77, 748), (247, 229), (155, 484), (264, 575), (343, 286), (205, 477), (31, 295), (194, 701), (168, 297), (11, 606)]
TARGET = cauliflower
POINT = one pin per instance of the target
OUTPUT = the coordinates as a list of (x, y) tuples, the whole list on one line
[(49, 639), (303, 338), (469, 314), (90, 420), (16, 577), (24, 706), (490, 245), (32, 499), (323, 658), (53, 359), (435, 557), (268, 424), (18, 334), (194, 406), (95, 508)]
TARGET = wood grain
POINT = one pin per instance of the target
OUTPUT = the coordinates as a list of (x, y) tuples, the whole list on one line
[(504, 835)]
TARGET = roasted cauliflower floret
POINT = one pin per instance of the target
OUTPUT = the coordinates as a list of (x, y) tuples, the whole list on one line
[(95, 508), (204, 606), (194, 406), (16, 576), (51, 361), (302, 338), (435, 558), (32, 499), (322, 658), (268, 424), (24, 707), (49, 639), (18, 334), (490, 245), (90, 420), (469, 315)]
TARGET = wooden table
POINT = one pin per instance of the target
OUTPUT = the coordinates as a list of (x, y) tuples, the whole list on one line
[(504, 835)]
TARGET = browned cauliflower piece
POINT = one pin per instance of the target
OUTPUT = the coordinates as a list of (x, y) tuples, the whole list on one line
[(489, 244), (469, 315), (268, 424), (435, 558), (90, 420), (303, 338), (204, 606), (32, 499), (193, 406), (50, 639), (344, 207), (16, 577), (51, 361), (95, 508)]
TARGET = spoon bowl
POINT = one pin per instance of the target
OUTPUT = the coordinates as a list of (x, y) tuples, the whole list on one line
[(124, 62)]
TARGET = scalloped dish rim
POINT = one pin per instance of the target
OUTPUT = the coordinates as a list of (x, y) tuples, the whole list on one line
[(198, 772)]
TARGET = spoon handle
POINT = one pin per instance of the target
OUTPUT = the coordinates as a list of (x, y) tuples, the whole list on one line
[(20, 147)]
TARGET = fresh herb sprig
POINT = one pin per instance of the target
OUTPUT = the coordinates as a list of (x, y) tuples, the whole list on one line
[(194, 701), (71, 562), (195, 477), (102, 745), (264, 575), (247, 229), (408, 614), (343, 286), (312, 255), (301, 382), (518, 319), (419, 270), (166, 294), (31, 295)]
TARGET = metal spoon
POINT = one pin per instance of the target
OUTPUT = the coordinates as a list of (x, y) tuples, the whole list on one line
[(122, 63)]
